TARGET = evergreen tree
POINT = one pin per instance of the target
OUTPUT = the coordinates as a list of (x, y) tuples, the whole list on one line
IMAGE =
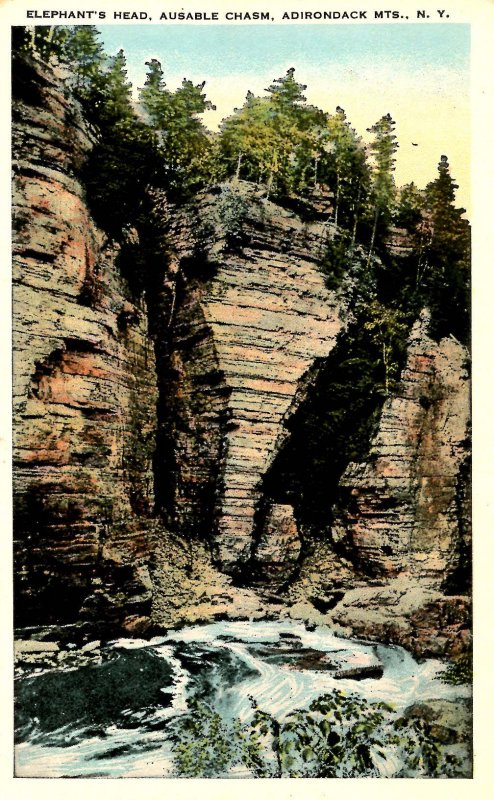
[(116, 91), (275, 139), (185, 144), (154, 94), (286, 95), (48, 41), (383, 149), (83, 50), (409, 210), (248, 140), (445, 274), (344, 168)]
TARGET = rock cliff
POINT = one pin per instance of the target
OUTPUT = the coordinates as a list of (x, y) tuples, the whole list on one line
[(146, 424), (84, 383), (405, 509), (249, 329)]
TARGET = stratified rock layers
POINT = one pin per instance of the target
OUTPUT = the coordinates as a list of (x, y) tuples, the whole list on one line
[(264, 317), (406, 509), (84, 385)]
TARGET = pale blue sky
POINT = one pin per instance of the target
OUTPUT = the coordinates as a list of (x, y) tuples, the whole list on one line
[(227, 49)]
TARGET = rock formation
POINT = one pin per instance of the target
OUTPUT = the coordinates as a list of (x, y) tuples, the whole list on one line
[(246, 338), (84, 384), (145, 426), (405, 509)]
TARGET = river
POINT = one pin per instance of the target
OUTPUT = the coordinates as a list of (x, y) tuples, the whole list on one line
[(111, 720)]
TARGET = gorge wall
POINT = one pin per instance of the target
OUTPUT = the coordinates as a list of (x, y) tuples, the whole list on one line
[(406, 509), (145, 424), (84, 383), (248, 332)]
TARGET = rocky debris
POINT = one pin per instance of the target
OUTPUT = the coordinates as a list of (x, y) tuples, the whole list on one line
[(84, 389), (450, 720), (403, 508), (359, 673), (449, 723), (39, 656), (296, 658), (189, 589), (278, 548), (291, 654), (29, 646), (409, 613)]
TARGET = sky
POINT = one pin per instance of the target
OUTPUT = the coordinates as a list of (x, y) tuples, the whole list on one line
[(418, 73)]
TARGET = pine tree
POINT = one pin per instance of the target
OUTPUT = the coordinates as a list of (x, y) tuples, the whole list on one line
[(410, 207), (275, 139), (345, 169), (445, 278), (116, 90), (83, 50), (185, 144), (286, 95), (248, 140), (154, 95), (48, 41), (383, 149)]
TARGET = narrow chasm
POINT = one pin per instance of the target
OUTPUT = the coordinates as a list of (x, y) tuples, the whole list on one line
[(331, 428)]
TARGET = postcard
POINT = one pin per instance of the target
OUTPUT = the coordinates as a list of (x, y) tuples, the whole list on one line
[(241, 325)]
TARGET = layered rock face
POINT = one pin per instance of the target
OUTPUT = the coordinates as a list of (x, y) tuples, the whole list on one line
[(242, 323), (247, 337), (84, 382), (406, 508)]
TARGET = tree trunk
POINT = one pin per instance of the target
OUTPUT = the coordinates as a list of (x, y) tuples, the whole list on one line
[(239, 163), (336, 205), (373, 237), (355, 219), (386, 367)]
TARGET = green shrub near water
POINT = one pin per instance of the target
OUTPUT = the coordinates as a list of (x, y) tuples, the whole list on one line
[(339, 736), (459, 672)]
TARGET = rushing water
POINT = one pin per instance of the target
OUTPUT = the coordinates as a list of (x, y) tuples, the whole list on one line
[(111, 719)]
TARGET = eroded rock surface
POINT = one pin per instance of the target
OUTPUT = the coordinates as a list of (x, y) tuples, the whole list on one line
[(248, 333), (405, 509), (84, 384), (242, 323)]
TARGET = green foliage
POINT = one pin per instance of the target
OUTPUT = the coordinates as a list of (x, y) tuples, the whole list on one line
[(47, 41), (343, 166), (121, 167), (436, 272), (184, 143), (204, 746), (444, 263), (339, 736), (85, 53), (383, 148), (295, 149), (335, 260), (115, 91), (409, 210), (459, 672), (274, 139), (387, 328), (232, 212)]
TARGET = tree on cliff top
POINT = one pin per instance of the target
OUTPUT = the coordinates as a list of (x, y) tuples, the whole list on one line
[(274, 139), (383, 148), (116, 91), (185, 144), (446, 271), (83, 50)]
